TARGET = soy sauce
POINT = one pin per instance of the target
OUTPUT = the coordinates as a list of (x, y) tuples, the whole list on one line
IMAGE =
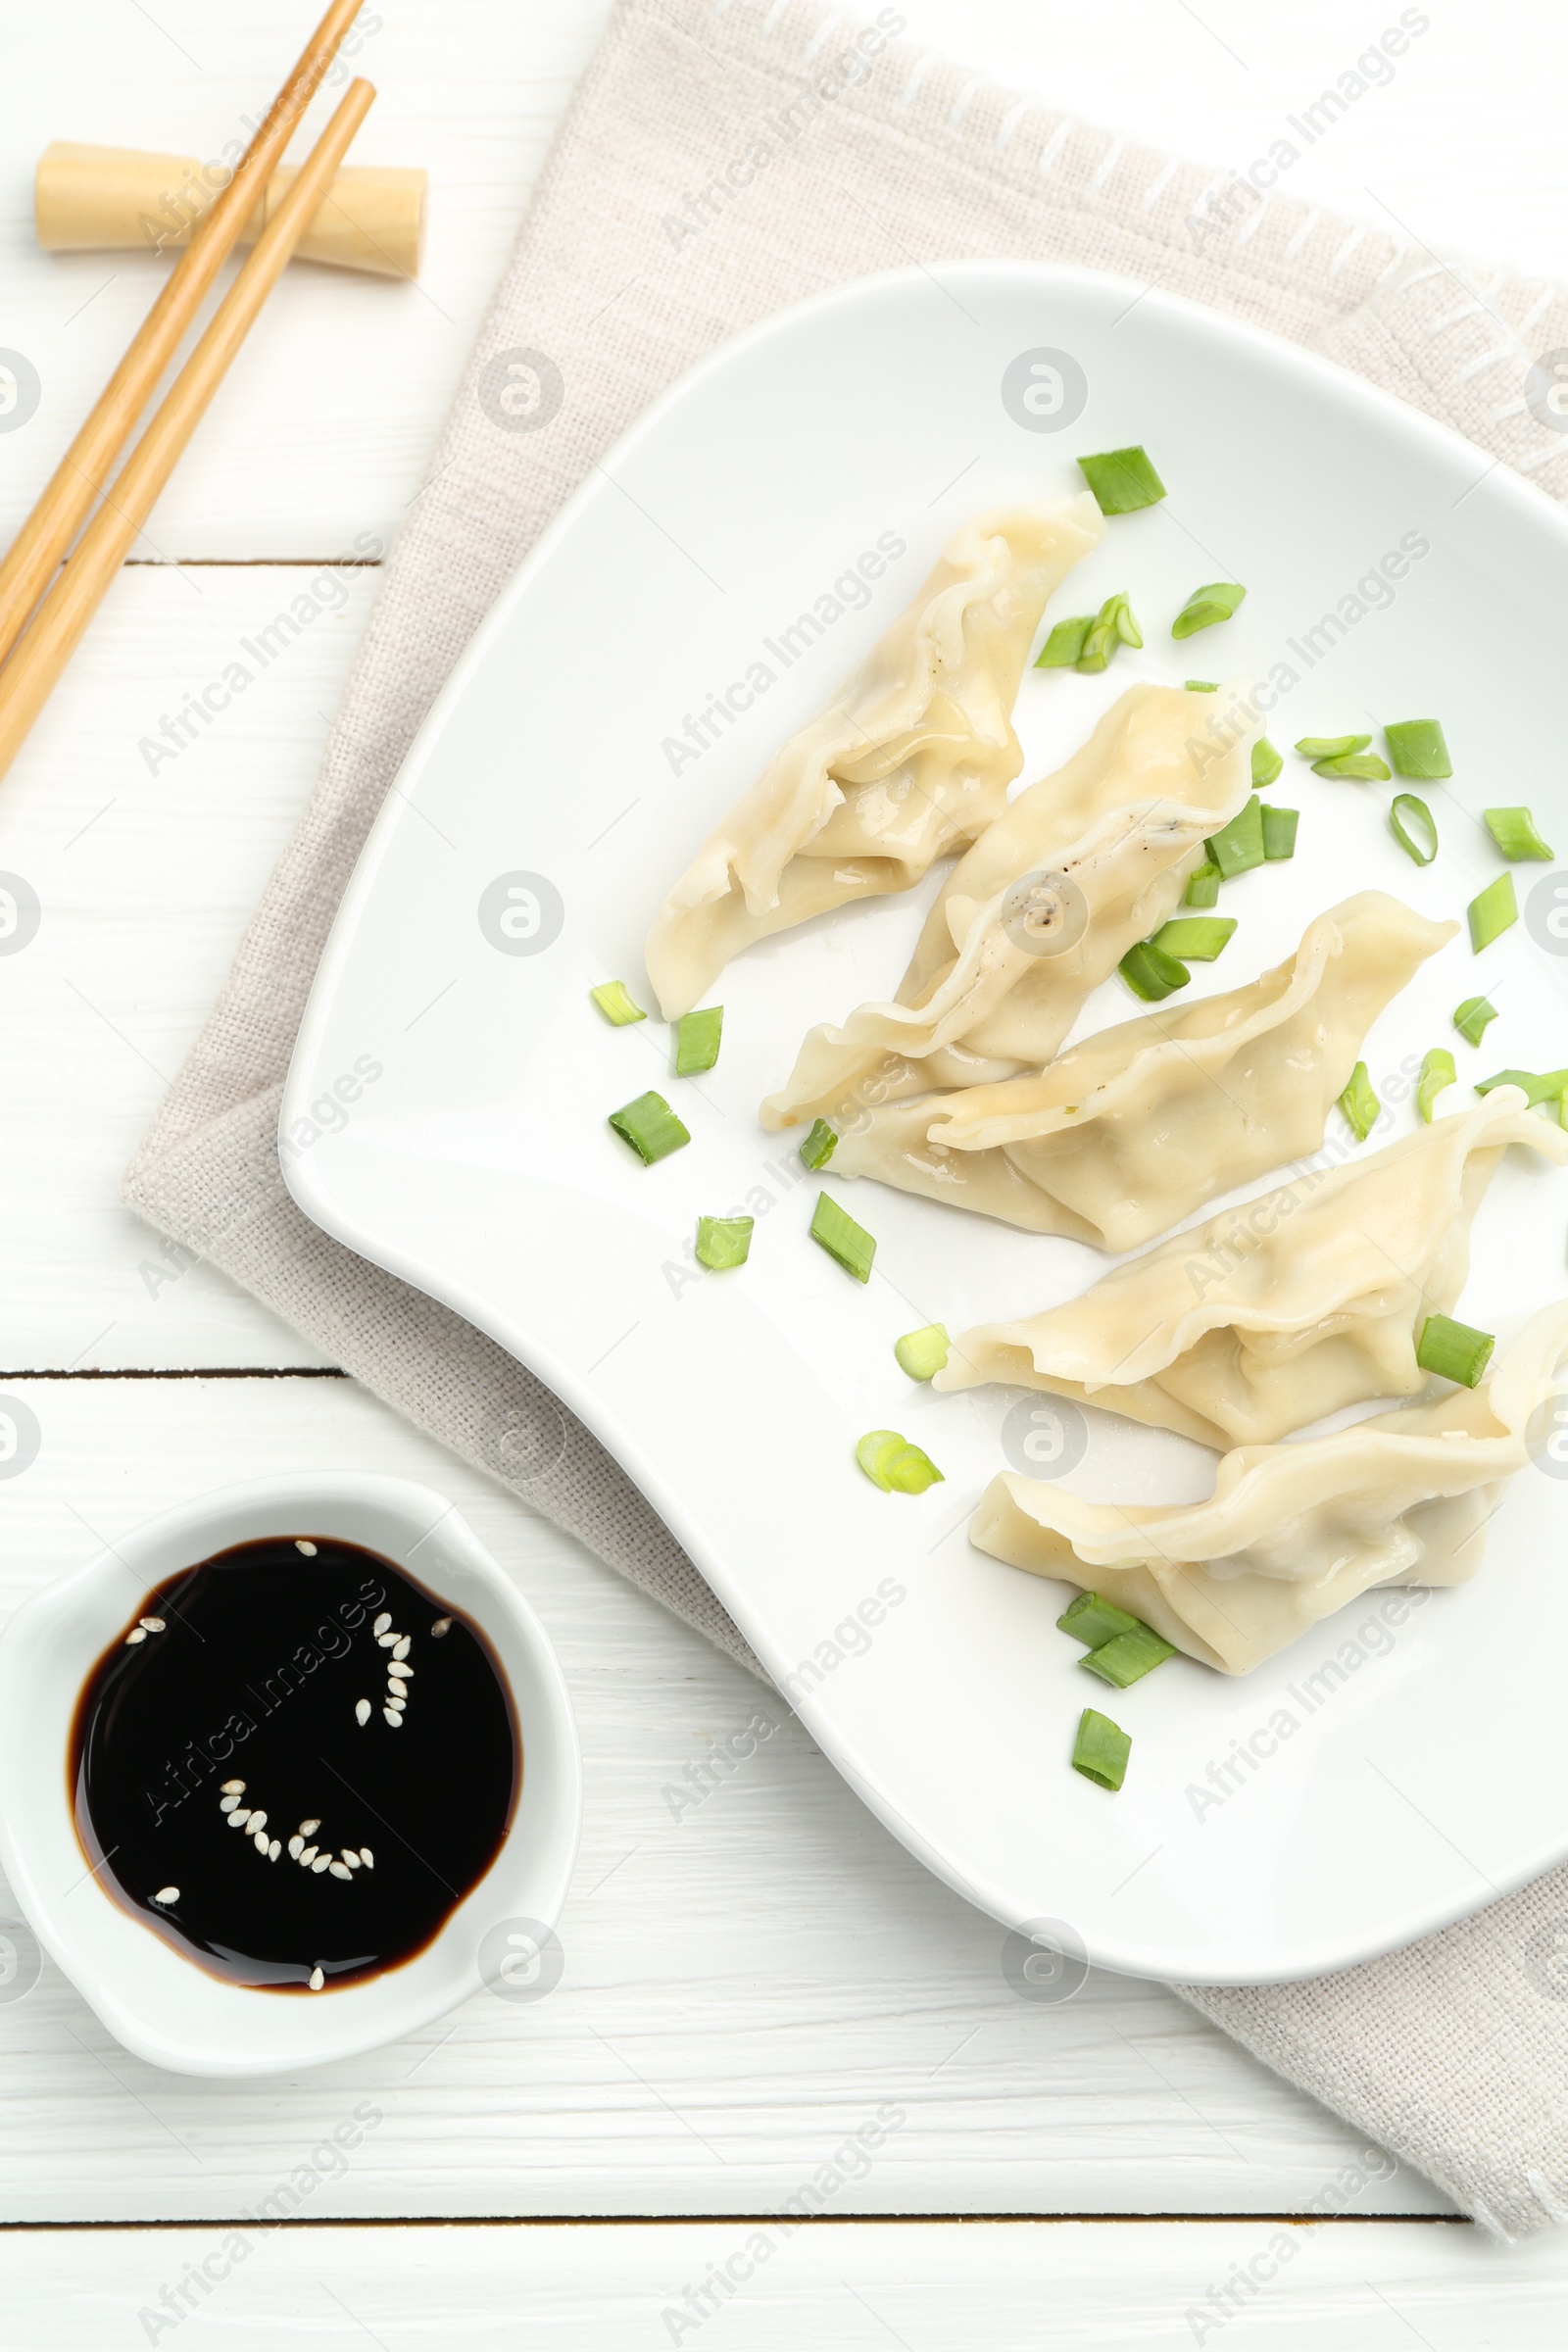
[(238, 1690)]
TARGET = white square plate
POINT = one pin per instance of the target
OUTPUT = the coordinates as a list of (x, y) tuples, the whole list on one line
[(1397, 1768)]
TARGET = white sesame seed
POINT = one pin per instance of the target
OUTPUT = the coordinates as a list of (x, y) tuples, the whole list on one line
[(442, 1625), (402, 1648), (317, 1979), (136, 1634), (151, 1625), (309, 1550), (258, 1840), (386, 1640), (339, 1870), (239, 1817), (308, 1856), (308, 1829), (274, 1850), (367, 1857), (226, 1804), (320, 1864), (383, 1621), (399, 1666), (233, 1787), (258, 1821), (296, 1845), (361, 1710), (167, 1894), (350, 1856), (397, 1686), (395, 1706), (396, 1721)]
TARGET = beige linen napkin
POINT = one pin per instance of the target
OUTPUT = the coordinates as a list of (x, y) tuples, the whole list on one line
[(722, 159)]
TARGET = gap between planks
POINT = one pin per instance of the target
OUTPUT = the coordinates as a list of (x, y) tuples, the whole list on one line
[(741, 2220)]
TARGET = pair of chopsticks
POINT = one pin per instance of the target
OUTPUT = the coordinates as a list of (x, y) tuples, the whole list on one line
[(41, 625)]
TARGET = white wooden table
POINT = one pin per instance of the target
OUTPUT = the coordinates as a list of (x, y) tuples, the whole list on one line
[(750, 1981)]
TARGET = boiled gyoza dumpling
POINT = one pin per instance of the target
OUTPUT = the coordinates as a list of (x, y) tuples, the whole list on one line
[(1101, 850), (1283, 1309), (912, 755), (1294, 1531), (1128, 1133)]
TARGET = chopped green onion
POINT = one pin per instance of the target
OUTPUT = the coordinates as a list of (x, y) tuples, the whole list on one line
[(1453, 1351), (1202, 685), (1491, 911), (1113, 625), (1094, 1621), (1203, 885), (1543, 1086), (615, 1004), (697, 1041), (1100, 1750), (1267, 765), (1151, 973), (1218, 600), (922, 1352), (1471, 1018), (1195, 939), (1414, 827), (651, 1128), (1129, 1657), (1065, 643), (1361, 767), (818, 1146), (1417, 749), (1278, 830), (1122, 480), (842, 1238), (1515, 834), (1437, 1072), (724, 1241), (1360, 1104), (892, 1463), (1239, 846), (1330, 747)]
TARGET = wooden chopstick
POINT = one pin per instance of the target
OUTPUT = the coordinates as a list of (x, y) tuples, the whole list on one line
[(44, 538), (29, 677)]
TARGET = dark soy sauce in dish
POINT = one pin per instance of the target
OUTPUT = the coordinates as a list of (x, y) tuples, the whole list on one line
[(294, 1763)]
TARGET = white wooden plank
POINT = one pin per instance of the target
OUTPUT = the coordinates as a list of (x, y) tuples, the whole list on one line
[(747, 1980), (1016, 2286)]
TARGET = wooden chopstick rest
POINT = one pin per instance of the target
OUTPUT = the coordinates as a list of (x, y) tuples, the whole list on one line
[(116, 198)]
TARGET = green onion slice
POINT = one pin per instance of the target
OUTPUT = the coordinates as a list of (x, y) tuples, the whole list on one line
[(1122, 480), (1278, 830), (1491, 911), (1218, 600), (1437, 1072), (892, 1463), (1471, 1018), (842, 1238), (1100, 1750), (724, 1241), (1515, 833), (1417, 749), (1332, 747), (1151, 973), (697, 1041), (1267, 765), (922, 1352), (1094, 1620), (1203, 885), (615, 1004), (1413, 826), (1129, 1657), (1202, 685), (1453, 1351), (1239, 846), (1360, 1104), (1361, 767), (651, 1128), (1541, 1086), (1195, 939), (1065, 643), (1113, 625), (818, 1146)]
